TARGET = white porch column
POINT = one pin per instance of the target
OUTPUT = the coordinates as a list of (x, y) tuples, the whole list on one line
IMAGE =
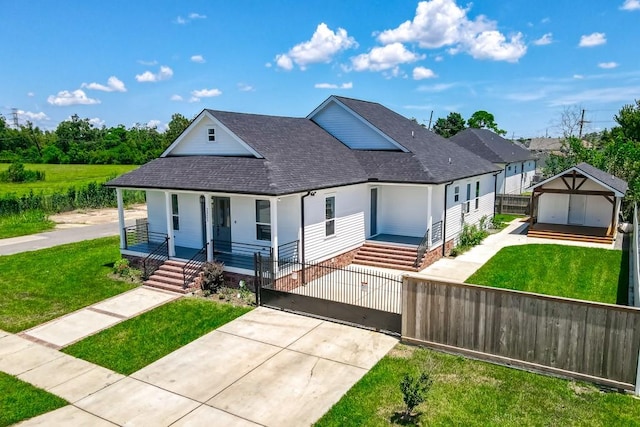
[(209, 225), (123, 236), (169, 213), (273, 207), (429, 213)]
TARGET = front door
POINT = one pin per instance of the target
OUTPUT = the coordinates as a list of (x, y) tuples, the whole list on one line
[(374, 211), (577, 205), (221, 224)]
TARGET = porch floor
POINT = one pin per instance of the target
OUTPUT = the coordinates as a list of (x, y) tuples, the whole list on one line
[(570, 232), (394, 238), (183, 253)]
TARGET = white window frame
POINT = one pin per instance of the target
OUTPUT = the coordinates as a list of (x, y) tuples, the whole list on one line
[(468, 202), (330, 217), (211, 134), (261, 225), (456, 193), (477, 195)]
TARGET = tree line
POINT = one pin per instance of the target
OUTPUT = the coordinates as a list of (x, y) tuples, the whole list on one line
[(78, 141)]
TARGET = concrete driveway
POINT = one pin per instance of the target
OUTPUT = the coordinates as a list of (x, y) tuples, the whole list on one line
[(266, 368)]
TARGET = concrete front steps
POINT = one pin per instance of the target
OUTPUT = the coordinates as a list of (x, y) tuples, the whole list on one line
[(556, 235), (169, 276), (387, 255)]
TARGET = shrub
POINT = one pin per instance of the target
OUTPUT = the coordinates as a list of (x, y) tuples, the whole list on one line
[(17, 173), (122, 267), (212, 277), (471, 235), (414, 391)]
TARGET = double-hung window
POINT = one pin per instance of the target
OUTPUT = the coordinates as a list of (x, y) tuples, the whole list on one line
[(477, 194), (263, 220), (456, 194), (175, 213), (468, 205), (330, 216)]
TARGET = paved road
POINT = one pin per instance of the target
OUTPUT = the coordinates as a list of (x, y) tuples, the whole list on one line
[(49, 239)]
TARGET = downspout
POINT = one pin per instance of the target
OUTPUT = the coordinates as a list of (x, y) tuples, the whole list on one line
[(302, 259), (444, 221), (495, 190)]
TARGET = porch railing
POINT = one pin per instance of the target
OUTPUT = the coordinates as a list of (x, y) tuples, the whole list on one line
[(288, 251), (422, 248), (139, 234), (238, 254), (156, 258), (436, 232), (192, 267)]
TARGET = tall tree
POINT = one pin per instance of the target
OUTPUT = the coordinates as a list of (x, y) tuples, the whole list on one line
[(176, 126), (450, 125), (483, 119)]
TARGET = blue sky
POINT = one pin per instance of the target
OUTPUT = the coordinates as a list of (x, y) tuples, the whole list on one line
[(126, 62)]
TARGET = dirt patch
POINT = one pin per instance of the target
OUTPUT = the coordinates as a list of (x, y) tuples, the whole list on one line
[(402, 351), (471, 379), (582, 389), (84, 217)]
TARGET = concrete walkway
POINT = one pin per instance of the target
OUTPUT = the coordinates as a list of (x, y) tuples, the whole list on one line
[(266, 368), (75, 326), (463, 266)]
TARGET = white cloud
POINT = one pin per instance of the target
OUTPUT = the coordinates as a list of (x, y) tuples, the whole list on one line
[(439, 58), (206, 93), (420, 73), (97, 122), (630, 5), (439, 23), (594, 39), (268, 64), (440, 87), (35, 117), (65, 98), (157, 124), (602, 95), (243, 87), (544, 40), (147, 63), (194, 99), (165, 73), (198, 58), (608, 65), (384, 58), (191, 17), (176, 98), (114, 84), (194, 15), (545, 20), (333, 86), (180, 20), (578, 76), (322, 47), (31, 94)]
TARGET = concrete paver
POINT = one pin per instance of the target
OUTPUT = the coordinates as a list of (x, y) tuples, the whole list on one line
[(206, 416), (11, 344), (204, 367), (64, 417), (73, 327), (134, 403), (56, 372), (86, 384), (136, 301), (289, 389), (27, 358), (3, 333), (271, 326)]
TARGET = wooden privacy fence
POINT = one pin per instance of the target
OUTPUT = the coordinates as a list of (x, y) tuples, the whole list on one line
[(579, 339), (515, 204)]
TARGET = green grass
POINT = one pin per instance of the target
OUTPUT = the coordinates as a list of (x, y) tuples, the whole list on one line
[(30, 222), (135, 343), (506, 217), (42, 285), (472, 393), (20, 401), (61, 177), (567, 271)]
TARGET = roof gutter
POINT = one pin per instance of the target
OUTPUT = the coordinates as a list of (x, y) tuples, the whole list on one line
[(444, 221)]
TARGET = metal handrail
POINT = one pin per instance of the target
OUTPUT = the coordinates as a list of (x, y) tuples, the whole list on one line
[(192, 268), (436, 232), (156, 258), (422, 248), (288, 251)]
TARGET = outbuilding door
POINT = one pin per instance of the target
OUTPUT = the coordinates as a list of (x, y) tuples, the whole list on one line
[(577, 205)]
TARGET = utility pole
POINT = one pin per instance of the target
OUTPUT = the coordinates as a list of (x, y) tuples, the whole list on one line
[(14, 115), (430, 118), (582, 122)]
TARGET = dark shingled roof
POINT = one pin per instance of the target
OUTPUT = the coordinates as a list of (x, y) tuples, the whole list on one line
[(491, 146), (300, 156), (604, 177)]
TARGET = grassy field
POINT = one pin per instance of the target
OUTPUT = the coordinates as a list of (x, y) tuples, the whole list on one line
[(472, 393), (25, 223), (42, 285), (135, 343), (20, 401), (61, 177), (567, 271)]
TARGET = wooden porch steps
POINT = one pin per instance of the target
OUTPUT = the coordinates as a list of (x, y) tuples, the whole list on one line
[(387, 255), (557, 235), (169, 276)]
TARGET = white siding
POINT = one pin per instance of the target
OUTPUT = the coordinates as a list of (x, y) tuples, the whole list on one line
[(196, 142), (553, 208), (349, 226), (402, 210), (350, 130), (190, 233), (288, 219), (156, 212), (598, 212), (455, 216), (529, 173), (500, 183)]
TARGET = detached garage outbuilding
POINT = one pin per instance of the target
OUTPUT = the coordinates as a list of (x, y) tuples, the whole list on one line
[(581, 203)]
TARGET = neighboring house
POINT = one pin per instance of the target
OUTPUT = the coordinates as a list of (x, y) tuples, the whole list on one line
[(314, 188), (580, 203), (518, 164), (546, 145)]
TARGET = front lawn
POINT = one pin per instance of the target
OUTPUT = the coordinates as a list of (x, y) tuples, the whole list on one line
[(466, 392), (137, 342), (568, 271), (20, 400), (42, 285)]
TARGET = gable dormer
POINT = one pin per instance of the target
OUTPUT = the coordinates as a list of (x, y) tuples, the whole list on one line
[(350, 128), (207, 136)]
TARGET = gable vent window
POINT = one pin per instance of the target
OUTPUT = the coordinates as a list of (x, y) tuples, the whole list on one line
[(211, 133)]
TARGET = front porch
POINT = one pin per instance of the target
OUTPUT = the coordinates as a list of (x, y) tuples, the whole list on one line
[(577, 233)]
